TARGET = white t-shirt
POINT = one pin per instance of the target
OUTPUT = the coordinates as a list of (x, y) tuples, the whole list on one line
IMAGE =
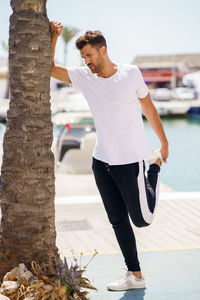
[(115, 107)]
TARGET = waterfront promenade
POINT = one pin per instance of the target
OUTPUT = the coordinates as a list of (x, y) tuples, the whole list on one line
[(169, 249)]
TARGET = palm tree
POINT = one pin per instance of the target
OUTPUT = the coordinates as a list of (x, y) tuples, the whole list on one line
[(4, 46), (28, 190), (67, 34)]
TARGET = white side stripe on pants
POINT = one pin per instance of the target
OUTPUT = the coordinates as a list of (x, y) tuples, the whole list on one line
[(146, 213)]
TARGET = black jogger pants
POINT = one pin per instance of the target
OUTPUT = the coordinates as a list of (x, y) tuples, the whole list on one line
[(126, 191)]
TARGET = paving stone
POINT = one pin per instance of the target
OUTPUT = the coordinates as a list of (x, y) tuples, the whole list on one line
[(176, 225)]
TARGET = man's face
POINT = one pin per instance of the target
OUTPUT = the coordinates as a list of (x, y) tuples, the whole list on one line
[(94, 57)]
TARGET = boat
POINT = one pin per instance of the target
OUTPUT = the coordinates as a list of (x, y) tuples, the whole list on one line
[(4, 105), (194, 112), (2, 131), (175, 107)]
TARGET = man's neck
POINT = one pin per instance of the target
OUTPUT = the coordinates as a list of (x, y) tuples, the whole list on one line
[(109, 70)]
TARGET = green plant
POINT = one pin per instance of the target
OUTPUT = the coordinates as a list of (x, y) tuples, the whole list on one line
[(67, 281)]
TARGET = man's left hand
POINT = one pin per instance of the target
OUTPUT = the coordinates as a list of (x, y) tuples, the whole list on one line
[(164, 152)]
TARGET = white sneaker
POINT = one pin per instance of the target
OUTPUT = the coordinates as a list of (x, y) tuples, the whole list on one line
[(127, 282), (154, 155)]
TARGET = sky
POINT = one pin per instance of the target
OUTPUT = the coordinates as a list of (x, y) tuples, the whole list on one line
[(131, 28)]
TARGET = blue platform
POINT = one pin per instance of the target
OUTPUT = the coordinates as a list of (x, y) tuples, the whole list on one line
[(170, 275)]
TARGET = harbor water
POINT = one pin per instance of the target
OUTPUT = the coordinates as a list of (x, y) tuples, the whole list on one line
[(182, 171)]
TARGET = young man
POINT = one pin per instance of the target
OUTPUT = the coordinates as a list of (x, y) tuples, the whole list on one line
[(115, 94)]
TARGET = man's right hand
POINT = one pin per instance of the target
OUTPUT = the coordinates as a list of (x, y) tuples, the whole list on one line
[(56, 28), (57, 72)]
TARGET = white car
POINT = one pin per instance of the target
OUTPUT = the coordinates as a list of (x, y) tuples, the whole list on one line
[(183, 93)]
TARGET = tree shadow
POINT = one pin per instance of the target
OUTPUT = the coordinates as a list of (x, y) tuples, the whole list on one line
[(133, 294)]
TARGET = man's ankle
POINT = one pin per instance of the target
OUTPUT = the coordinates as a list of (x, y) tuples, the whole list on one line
[(137, 274), (158, 162)]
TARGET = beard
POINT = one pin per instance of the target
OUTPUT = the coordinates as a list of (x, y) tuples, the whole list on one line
[(94, 68), (97, 67)]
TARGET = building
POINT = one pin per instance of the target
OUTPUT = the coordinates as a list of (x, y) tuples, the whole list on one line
[(167, 70)]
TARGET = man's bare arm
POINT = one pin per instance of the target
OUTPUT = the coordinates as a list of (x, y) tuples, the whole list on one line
[(58, 72), (154, 120)]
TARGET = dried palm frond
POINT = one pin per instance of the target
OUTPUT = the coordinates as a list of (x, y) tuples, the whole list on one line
[(53, 281)]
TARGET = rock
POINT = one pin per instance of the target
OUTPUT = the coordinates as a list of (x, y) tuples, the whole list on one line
[(22, 269), (25, 277), (2, 297), (16, 273), (9, 287), (12, 275)]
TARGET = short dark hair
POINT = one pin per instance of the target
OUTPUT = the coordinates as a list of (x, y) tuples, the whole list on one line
[(94, 38)]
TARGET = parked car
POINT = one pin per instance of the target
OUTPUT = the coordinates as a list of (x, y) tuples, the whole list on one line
[(184, 93), (162, 94)]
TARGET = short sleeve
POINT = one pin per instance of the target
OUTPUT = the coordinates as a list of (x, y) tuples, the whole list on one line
[(142, 89), (76, 75)]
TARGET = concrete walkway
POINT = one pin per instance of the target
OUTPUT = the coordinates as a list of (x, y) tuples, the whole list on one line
[(169, 249), (83, 225)]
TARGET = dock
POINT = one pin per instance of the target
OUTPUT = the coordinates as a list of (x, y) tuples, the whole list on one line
[(78, 204), (164, 108), (169, 249), (175, 107)]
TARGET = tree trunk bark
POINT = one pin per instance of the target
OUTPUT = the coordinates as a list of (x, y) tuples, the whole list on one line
[(28, 183)]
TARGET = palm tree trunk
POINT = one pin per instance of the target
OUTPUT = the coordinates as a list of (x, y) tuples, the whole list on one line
[(28, 189)]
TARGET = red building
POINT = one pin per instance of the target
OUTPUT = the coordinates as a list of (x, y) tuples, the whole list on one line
[(167, 70)]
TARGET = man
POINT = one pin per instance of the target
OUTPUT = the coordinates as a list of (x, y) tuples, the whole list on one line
[(115, 94)]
